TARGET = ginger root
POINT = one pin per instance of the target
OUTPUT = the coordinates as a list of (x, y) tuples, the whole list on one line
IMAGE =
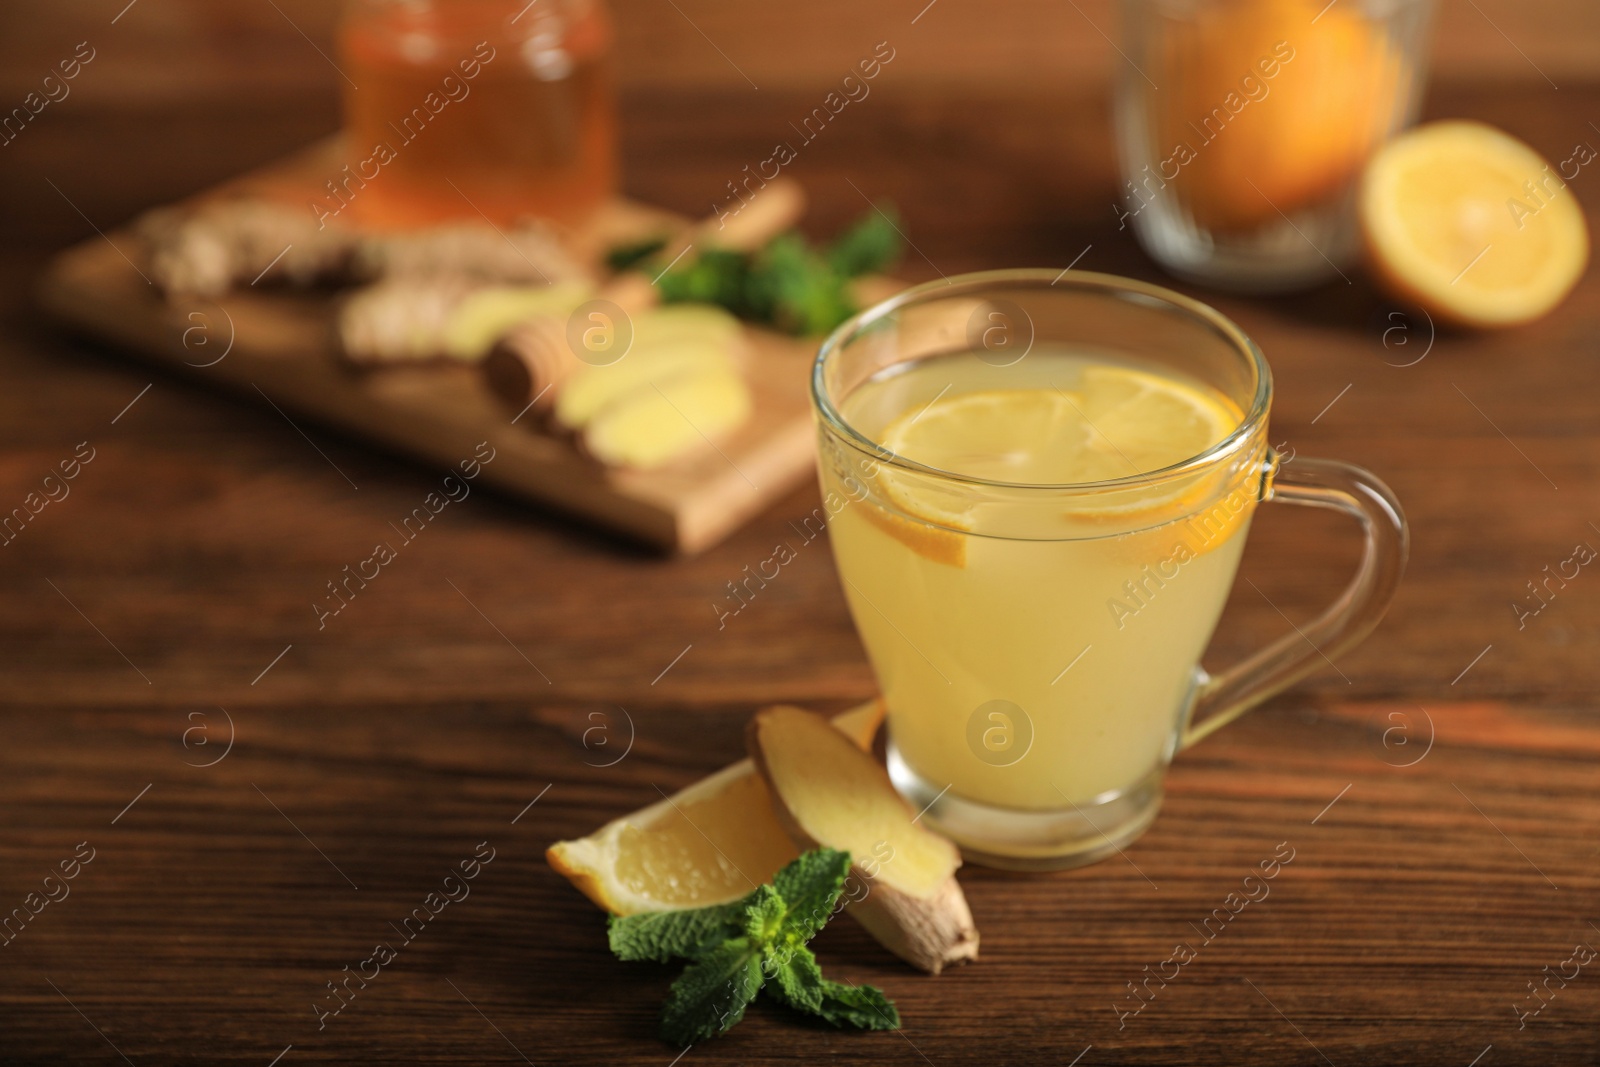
[(529, 254), (454, 292), (221, 244), (211, 248), (829, 793), (418, 320)]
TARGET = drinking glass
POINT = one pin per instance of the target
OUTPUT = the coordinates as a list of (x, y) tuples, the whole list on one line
[(1031, 719), (1243, 126)]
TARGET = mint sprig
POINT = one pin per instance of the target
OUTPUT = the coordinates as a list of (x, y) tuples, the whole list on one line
[(661, 936), (787, 283), (760, 942)]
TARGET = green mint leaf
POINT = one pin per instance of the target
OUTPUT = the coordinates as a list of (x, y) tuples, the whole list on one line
[(871, 245), (712, 993), (626, 256), (797, 981), (746, 945), (796, 977), (778, 269), (764, 916), (787, 284), (810, 886), (796, 290), (862, 1006), (716, 276), (665, 935)]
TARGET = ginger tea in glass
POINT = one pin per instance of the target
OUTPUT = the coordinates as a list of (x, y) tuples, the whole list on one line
[(1041, 486)]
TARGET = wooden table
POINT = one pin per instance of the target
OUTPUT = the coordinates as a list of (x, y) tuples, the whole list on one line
[(1438, 792)]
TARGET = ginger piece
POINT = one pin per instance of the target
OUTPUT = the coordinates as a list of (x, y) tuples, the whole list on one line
[(661, 419), (206, 250), (398, 322), (415, 320), (828, 793), (687, 322), (529, 254), (216, 245), (453, 292), (667, 342), (591, 389)]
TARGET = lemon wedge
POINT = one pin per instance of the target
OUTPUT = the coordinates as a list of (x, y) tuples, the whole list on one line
[(1472, 225), (709, 843)]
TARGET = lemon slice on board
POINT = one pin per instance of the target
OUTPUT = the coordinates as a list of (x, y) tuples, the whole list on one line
[(1471, 224), (1113, 422), (709, 843)]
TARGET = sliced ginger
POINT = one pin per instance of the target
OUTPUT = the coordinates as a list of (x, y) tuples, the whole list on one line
[(662, 420), (829, 793), (666, 342), (710, 843), (675, 386), (705, 323), (592, 388)]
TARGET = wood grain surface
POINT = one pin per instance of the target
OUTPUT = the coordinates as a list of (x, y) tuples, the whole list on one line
[(178, 577), (1418, 903)]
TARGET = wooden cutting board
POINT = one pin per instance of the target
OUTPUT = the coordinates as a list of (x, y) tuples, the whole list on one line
[(282, 346)]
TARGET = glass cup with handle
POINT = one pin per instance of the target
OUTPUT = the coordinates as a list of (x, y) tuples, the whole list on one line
[(1243, 126), (1040, 486)]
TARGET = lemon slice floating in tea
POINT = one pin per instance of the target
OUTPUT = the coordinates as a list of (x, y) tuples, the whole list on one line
[(1112, 422)]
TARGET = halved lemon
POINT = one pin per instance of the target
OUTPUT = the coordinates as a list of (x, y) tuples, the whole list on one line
[(1113, 422), (1471, 224), (709, 843)]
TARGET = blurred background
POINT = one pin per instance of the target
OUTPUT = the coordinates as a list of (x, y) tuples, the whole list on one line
[(992, 132), (201, 90)]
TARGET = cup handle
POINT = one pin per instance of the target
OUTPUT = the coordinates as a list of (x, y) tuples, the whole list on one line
[(1319, 483)]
